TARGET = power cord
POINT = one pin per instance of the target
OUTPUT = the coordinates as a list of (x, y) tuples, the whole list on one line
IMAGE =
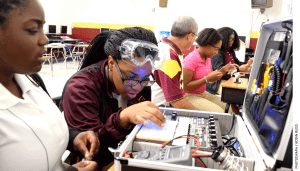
[(232, 124)]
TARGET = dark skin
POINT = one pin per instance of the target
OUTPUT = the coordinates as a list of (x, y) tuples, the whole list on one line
[(22, 42), (136, 113), (205, 52), (245, 67)]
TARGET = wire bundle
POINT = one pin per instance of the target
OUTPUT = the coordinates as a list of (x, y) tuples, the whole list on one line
[(229, 144), (197, 156)]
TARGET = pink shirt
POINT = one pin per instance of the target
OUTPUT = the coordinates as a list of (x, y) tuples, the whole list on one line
[(200, 68)]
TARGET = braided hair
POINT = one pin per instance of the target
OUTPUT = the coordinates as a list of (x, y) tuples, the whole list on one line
[(226, 32), (7, 6), (107, 43)]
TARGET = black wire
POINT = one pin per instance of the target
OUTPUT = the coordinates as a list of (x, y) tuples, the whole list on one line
[(202, 162), (233, 117), (229, 141), (229, 144), (276, 87)]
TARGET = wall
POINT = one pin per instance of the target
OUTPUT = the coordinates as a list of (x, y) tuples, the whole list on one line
[(58, 13), (213, 13)]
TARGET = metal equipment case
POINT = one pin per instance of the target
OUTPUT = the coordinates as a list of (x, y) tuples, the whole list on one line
[(257, 159)]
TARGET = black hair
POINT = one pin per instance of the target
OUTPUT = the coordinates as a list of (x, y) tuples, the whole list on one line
[(7, 6), (226, 32), (107, 43), (208, 36)]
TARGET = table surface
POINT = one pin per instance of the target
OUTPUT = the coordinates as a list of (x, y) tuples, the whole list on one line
[(54, 45), (77, 45), (230, 83), (81, 45)]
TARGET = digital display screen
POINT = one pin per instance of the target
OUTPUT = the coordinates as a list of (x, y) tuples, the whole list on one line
[(175, 152), (52, 28)]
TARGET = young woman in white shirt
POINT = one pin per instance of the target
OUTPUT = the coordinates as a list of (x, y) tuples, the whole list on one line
[(33, 133)]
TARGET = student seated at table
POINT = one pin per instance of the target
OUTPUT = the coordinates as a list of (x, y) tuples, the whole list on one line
[(111, 93), (197, 72), (226, 54), (33, 132)]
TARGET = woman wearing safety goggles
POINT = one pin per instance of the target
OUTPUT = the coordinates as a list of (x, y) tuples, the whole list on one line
[(111, 91)]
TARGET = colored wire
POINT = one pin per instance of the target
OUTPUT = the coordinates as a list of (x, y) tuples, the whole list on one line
[(126, 155), (174, 139), (200, 162), (283, 79), (201, 155), (198, 131), (187, 136)]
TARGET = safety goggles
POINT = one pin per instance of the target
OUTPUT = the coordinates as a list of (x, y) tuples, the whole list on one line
[(140, 52)]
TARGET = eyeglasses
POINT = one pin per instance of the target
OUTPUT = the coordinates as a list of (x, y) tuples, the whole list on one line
[(216, 48), (195, 35), (130, 82), (231, 39)]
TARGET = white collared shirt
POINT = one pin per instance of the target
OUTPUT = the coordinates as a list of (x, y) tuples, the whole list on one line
[(33, 132)]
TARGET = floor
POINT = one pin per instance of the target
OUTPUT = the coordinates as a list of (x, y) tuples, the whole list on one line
[(56, 78)]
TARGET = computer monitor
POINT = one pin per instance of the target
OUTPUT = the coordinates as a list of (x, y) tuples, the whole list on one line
[(52, 29), (243, 38), (63, 29), (104, 30), (163, 34)]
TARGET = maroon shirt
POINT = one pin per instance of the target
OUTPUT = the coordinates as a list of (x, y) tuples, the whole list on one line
[(229, 57), (89, 105), (169, 80)]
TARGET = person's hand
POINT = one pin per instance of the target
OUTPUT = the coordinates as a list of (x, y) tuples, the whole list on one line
[(86, 166), (214, 76), (250, 61), (87, 143), (228, 67), (137, 113)]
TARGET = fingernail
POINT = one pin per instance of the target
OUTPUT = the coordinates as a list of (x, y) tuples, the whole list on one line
[(145, 123), (162, 125)]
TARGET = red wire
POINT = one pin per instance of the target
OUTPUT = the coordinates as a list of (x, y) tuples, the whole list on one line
[(200, 163), (193, 151), (201, 155), (126, 155), (283, 79)]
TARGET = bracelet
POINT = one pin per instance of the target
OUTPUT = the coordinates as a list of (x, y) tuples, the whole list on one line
[(205, 79)]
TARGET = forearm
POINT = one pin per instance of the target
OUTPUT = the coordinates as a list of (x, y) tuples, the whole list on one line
[(244, 68), (194, 84), (222, 70), (183, 104)]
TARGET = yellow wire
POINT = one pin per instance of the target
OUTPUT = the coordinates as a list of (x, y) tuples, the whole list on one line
[(198, 131)]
